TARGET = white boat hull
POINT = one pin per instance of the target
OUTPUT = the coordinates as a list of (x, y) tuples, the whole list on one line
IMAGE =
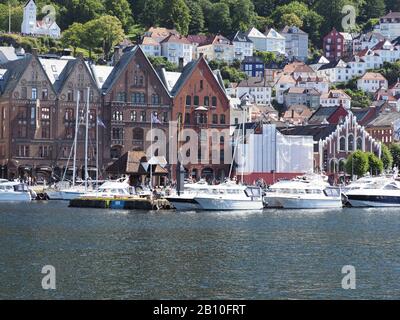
[(54, 195), (307, 203), (229, 204), (70, 195), (15, 196)]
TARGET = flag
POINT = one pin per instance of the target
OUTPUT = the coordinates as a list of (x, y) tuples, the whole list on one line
[(100, 123), (154, 118)]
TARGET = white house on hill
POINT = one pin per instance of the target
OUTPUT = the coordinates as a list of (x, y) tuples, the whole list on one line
[(32, 26)]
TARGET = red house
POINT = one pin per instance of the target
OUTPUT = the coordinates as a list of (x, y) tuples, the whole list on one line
[(337, 45)]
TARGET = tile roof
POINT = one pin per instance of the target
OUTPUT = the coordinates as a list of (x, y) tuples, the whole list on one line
[(373, 76), (292, 29), (172, 38)]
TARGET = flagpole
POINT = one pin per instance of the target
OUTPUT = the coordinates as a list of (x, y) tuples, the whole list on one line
[(87, 139), (151, 150), (97, 147)]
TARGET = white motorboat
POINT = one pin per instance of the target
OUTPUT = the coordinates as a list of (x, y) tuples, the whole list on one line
[(111, 190), (374, 192), (15, 191), (185, 200), (229, 196), (303, 193)]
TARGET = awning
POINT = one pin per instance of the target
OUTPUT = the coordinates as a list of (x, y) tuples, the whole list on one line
[(201, 108)]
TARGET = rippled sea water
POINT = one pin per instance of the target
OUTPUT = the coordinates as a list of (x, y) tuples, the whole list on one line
[(274, 254)]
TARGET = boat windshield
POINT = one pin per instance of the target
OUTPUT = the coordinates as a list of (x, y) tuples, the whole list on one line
[(253, 192)]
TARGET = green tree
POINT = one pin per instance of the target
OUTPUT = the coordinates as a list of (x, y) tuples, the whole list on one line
[(357, 163), (152, 12), (375, 164), (196, 24), (78, 11), (393, 5), (73, 36), (390, 71), (395, 151), (359, 98), (177, 15), (386, 157), (372, 9), (218, 18), (104, 32), (291, 19), (120, 9), (16, 16), (242, 14), (162, 62), (232, 74)]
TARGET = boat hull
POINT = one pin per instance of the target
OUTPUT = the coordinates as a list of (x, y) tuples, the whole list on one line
[(307, 203), (15, 196), (363, 201), (229, 204), (184, 204), (70, 195)]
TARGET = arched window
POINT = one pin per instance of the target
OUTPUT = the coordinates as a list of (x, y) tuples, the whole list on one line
[(342, 144), (333, 166), (188, 100), (214, 101), (351, 142), (359, 143)]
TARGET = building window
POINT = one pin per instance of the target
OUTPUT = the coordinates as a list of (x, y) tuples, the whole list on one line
[(70, 95), (24, 93), (222, 119), (206, 101), (188, 100), (133, 116), (44, 94), (214, 101), (117, 115), (117, 133), (143, 116), (121, 96), (43, 151), (69, 114), (138, 98), (138, 134), (351, 143), (196, 100), (34, 93), (23, 151), (215, 119), (45, 113), (342, 144), (165, 117), (201, 84), (155, 99), (45, 129)]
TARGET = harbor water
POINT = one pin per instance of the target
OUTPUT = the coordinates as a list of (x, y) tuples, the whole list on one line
[(273, 254)]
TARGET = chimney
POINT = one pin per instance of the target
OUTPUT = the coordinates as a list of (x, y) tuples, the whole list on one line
[(180, 66), (117, 54)]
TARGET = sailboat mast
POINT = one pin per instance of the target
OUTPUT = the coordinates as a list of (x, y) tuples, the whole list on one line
[(97, 147), (76, 138), (87, 139)]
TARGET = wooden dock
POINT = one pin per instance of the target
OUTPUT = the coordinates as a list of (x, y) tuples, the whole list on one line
[(127, 204)]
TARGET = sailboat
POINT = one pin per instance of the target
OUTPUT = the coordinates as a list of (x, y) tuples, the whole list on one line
[(75, 190)]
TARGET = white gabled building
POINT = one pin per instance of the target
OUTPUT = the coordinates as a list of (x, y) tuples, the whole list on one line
[(389, 25), (31, 26), (258, 89), (175, 47), (335, 71), (372, 82), (258, 38), (335, 98), (275, 42), (243, 46)]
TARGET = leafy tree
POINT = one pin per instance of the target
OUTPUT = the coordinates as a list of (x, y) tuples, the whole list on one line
[(73, 36), (218, 18), (196, 24), (16, 16), (78, 11), (120, 9), (177, 15), (291, 19), (242, 14), (386, 157), (357, 163), (162, 62), (375, 164), (395, 151), (104, 32), (152, 12), (359, 98), (372, 9), (232, 74), (390, 71), (393, 5)]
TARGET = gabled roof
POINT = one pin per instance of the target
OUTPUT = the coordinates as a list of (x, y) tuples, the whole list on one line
[(391, 15), (272, 33), (293, 29), (15, 70), (317, 131), (172, 38), (254, 33), (241, 37), (187, 72), (323, 114), (198, 39), (119, 68), (373, 76), (253, 82), (385, 119)]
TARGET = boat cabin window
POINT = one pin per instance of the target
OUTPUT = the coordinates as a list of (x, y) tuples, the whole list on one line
[(20, 188), (253, 192), (332, 192), (391, 186)]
